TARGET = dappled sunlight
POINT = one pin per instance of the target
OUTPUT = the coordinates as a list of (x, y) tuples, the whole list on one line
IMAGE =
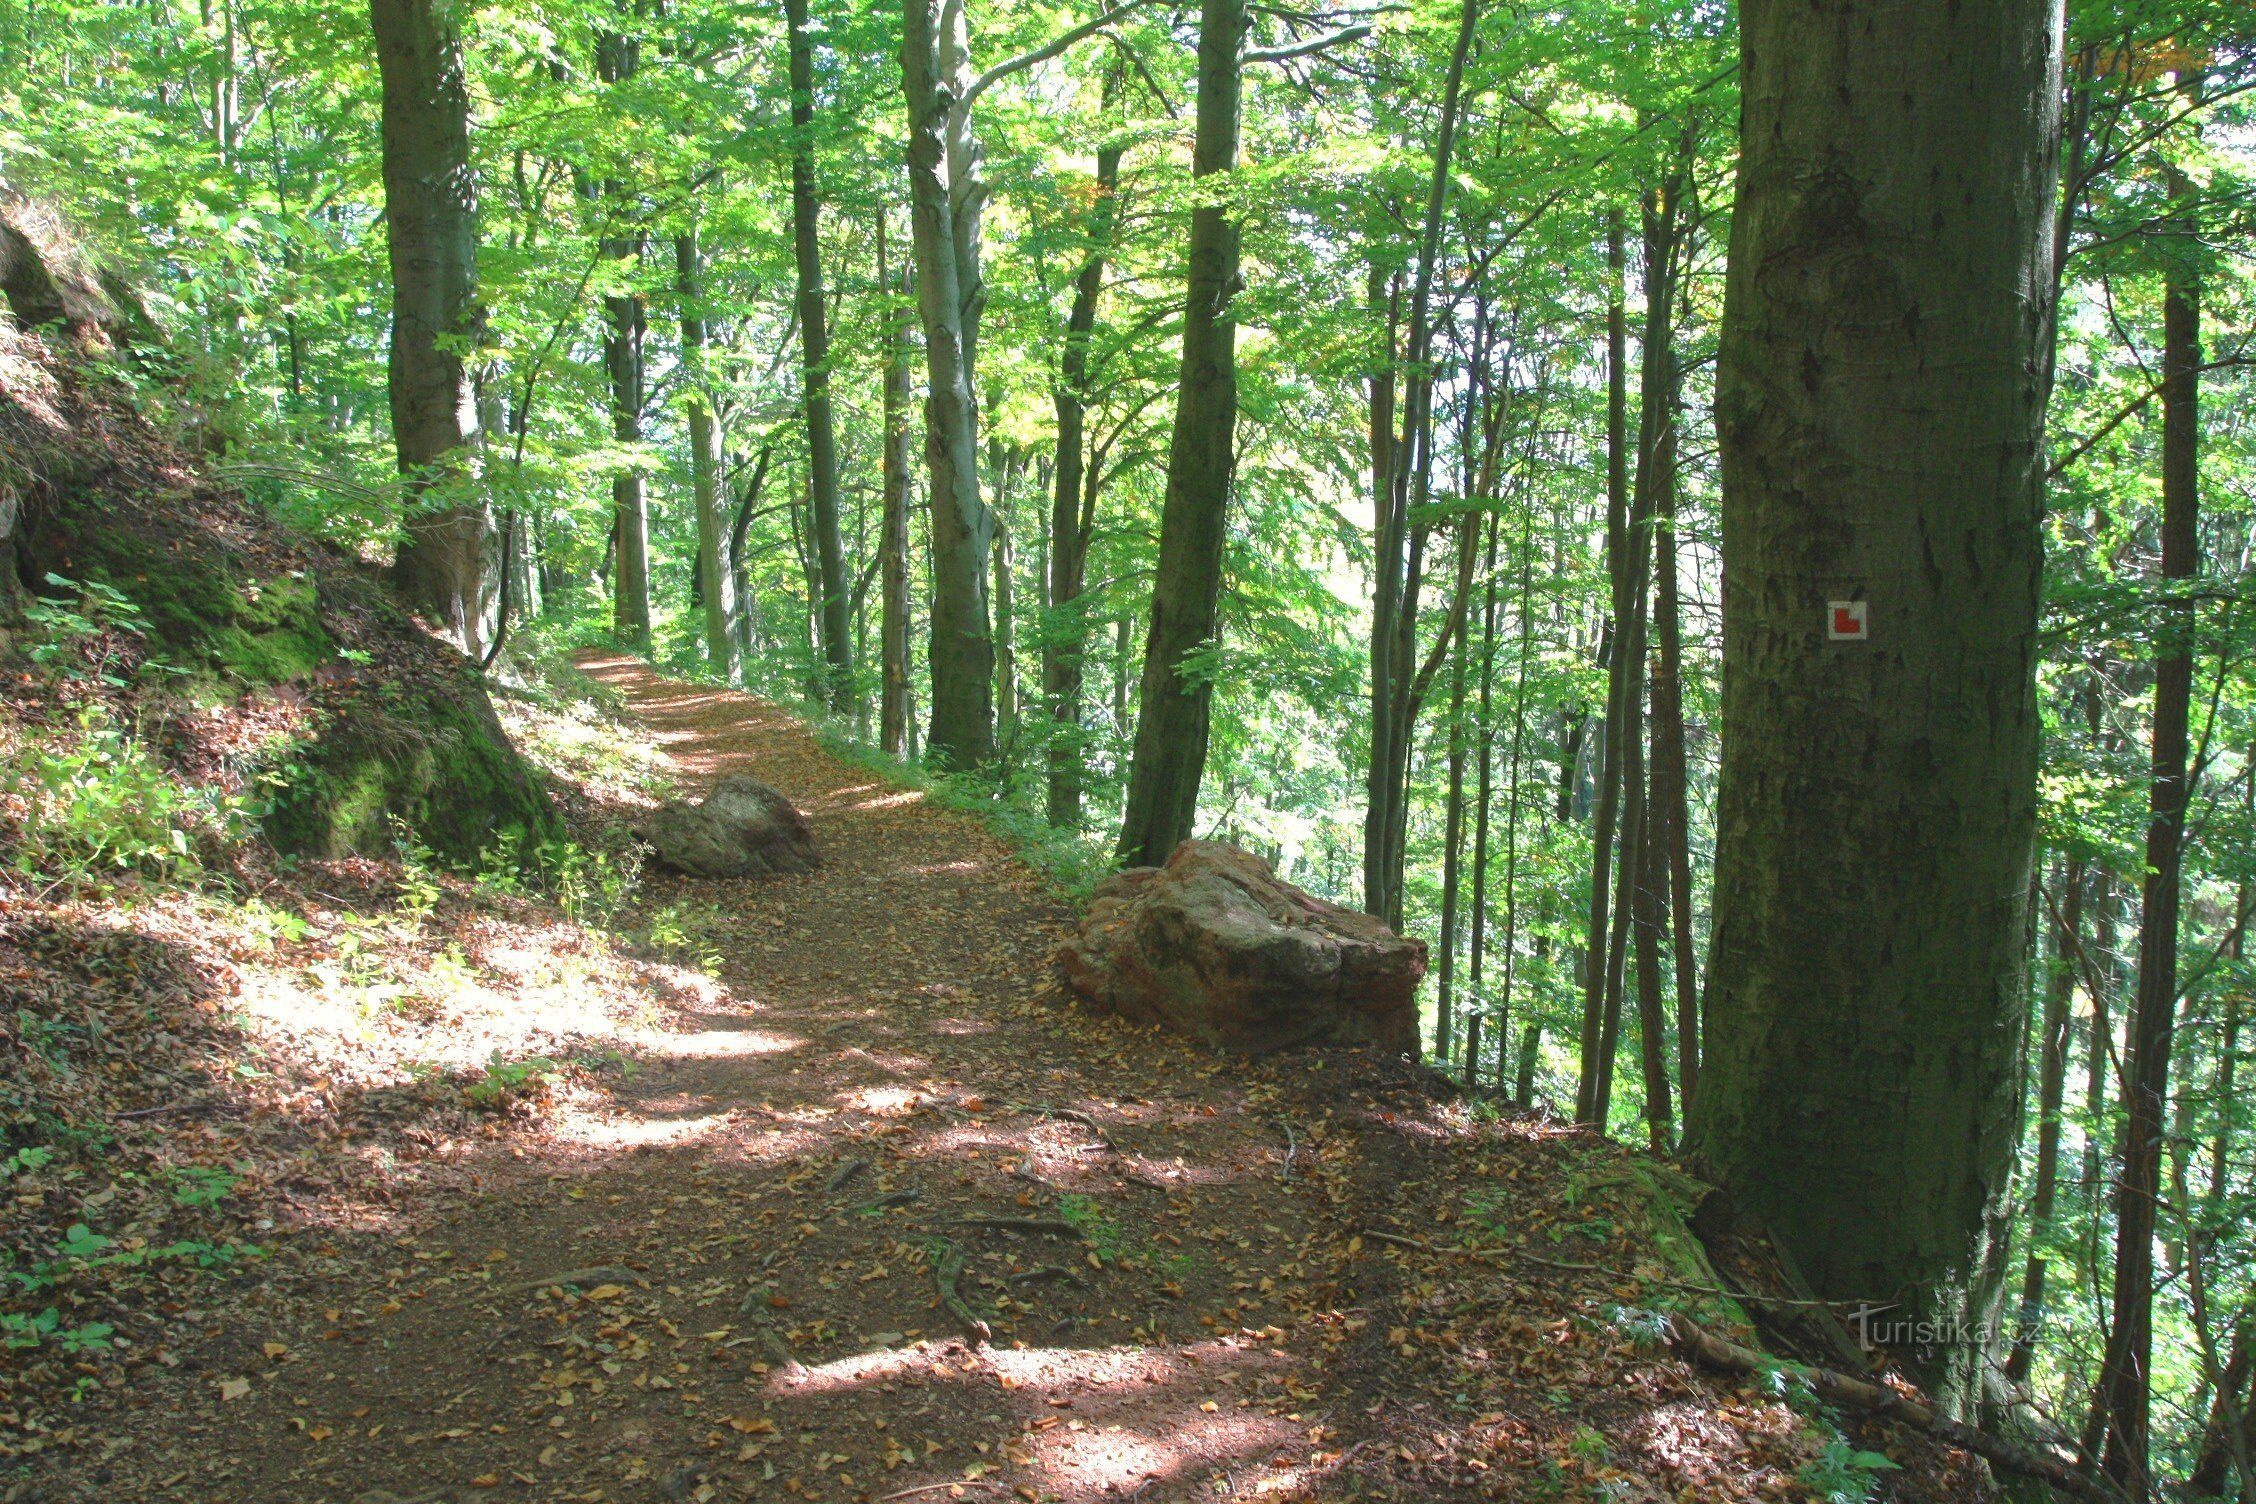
[(620, 1133), (841, 1374), (729, 1044), (883, 1101), (891, 799)]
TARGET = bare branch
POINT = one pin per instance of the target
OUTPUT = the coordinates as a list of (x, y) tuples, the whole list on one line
[(1302, 49), (1044, 53)]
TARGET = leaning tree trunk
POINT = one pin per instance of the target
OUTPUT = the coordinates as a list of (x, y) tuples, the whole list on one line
[(431, 231), (1880, 427), (963, 647), (814, 351), (716, 585), (1171, 723)]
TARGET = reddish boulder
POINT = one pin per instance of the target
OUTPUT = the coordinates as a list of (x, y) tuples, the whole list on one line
[(1215, 945)]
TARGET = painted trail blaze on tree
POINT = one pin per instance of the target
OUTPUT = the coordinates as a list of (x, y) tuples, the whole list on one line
[(1880, 402)]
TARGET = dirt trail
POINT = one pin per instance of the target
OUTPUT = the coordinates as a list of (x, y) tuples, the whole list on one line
[(753, 1221)]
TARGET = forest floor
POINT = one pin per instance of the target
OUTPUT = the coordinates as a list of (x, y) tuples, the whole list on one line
[(709, 1264)]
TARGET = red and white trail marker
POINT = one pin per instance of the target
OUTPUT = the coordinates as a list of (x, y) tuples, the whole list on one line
[(1846, 621)]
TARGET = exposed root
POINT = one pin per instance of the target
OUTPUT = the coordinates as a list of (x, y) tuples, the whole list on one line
[(1705, 1347), (948, 1267), (1047, 1225)]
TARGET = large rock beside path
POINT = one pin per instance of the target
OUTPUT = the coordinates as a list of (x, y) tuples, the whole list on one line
[(743, 829), (1216, 946)]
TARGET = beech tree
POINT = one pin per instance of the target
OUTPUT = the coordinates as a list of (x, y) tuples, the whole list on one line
[(1881, 420), (431, 233)]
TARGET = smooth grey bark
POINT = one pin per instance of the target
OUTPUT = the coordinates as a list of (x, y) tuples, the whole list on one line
[(1880, 416), (835, 606), (618, 58), (893, 528), (1174, 704), (431, 234), (962, 733), (716, 583)]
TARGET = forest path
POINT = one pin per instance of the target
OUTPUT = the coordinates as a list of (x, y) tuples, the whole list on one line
[(755, 1214)]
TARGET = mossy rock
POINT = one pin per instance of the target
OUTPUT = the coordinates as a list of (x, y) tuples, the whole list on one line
[(431, 756), (223, 617)]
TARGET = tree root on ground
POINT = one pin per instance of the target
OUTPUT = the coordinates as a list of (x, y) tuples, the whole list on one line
[(1705, 1347), (948, 1267), (1047, 1225)]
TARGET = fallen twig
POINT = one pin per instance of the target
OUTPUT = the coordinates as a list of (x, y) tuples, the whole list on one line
[(845, 1173), (1292, 1147), (947, 1267), (1705, 1347), (933, 1488)]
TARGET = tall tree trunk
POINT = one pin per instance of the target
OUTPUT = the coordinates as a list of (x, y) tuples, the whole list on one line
[(1633, 611), (740, 562), (814, 349), (1123, 674), (1881, 444), (1006, 603), (1397, 693), (1453, 825), (2228, 1443), (1065, 638), (1484, 762), (962, 734), (1597, 949), (716, 585), (2052, 1081), (1669, 814), (893, 532), (618, 58), (2125, 1391), (1171, 721), (1649, 914), (431, 232)]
